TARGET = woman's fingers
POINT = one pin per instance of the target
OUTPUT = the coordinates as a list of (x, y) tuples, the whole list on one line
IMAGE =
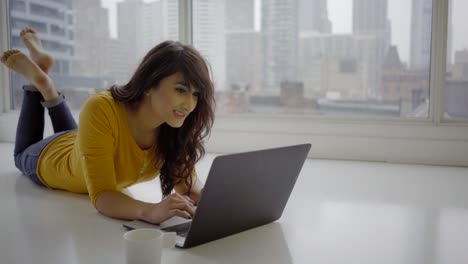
[(183, 197), (189, 199), (179, 202), (181, 213), (185, 207)]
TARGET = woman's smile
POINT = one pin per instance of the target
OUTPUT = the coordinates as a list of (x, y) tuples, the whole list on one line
[(179, 115)]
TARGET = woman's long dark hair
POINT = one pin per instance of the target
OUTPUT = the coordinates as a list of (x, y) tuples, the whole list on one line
[(179, 148)]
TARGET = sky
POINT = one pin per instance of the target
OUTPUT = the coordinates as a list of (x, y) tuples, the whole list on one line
[(340, 13)]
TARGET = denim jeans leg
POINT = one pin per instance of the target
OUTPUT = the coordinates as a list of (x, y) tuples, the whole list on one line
[(61, 117), (30, 127), (30, 131)]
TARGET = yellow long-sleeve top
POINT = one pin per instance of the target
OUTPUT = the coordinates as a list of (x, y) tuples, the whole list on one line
[(101, 155)]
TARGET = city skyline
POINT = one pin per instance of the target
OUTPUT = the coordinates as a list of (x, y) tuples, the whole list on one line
[(295, 69), (340, 15)]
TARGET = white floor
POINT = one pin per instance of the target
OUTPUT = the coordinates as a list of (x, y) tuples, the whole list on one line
[(339, 212)]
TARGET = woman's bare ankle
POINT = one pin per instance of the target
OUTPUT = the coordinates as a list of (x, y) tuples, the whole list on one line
[(45, 86), (50, 96)]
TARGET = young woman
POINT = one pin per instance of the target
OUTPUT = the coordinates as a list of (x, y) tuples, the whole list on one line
[(155, 124)]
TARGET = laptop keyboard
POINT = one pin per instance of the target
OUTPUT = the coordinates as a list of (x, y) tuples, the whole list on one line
[(181, 230)]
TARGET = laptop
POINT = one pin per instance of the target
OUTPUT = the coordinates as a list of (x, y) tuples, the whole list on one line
[(242, 191)]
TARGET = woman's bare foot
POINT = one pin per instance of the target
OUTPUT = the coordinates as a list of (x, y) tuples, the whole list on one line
[(20, 63), (30, 38)]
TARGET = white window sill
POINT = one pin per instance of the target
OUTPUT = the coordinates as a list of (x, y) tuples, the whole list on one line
[(417, 142)]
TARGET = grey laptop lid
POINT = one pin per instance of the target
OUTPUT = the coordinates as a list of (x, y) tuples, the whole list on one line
[(244, 191)]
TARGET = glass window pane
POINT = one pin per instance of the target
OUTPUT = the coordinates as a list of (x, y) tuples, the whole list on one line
[(318, 57), (457, 62), (95, 44)]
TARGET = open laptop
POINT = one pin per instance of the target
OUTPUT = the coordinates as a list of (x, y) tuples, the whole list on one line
[(242, 191)]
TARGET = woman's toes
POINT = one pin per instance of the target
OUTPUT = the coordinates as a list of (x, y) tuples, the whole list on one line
[(26, 30), (10, 52), (7, 55)]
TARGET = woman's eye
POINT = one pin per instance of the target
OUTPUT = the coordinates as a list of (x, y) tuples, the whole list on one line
[(180, 90), (196, 94)]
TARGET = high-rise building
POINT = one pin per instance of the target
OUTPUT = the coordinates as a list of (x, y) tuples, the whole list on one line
[(243, 56), (53, 20), (170, 19), (313, 21), (243, 59), (313, 16), (120, 70), (459, 71), (91, 38), (421, 21), (279, 43), (152, 31), (209, 37), (370, 19), (240, 15), (130, 27), (457, 87), (421, 33), (409, 88), (243, 47), (337, 64), (141, 26)]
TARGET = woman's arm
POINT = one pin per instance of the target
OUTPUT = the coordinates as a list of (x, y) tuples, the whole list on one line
[(118, 205), (96, 144)]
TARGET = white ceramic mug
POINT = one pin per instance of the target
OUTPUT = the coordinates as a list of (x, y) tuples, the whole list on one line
[(144, 246)]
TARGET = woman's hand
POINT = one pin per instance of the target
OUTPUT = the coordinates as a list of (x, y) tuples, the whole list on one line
[(173, 205)]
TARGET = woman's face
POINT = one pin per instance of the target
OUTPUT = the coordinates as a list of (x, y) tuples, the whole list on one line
[(173, 100)]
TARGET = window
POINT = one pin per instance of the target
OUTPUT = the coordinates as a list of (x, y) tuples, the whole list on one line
[(18, 6), (322, 92), (361, 57), (56, 30), (456, 105), (348, 66), (93, 46), (19, 23), (43, 11)]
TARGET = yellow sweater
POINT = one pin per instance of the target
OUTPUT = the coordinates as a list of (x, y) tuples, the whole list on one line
[(101, 155)]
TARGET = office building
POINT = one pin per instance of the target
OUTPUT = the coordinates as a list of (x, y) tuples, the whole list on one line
[(279, 43)]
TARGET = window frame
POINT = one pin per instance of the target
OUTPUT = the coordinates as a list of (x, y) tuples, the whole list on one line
[(5, 102), (435, 141)]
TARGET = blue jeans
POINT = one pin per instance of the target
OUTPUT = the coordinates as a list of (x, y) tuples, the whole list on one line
[(30, 131)]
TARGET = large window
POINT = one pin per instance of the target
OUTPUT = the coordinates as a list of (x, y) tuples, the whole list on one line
[(456, 105), (95, 43), (335, 57), (309, 57), (360, 79)]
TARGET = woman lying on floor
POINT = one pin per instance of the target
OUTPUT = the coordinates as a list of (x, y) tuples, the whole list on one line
[(153, 125)]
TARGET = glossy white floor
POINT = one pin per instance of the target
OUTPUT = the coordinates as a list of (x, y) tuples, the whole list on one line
[(339, 212)]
